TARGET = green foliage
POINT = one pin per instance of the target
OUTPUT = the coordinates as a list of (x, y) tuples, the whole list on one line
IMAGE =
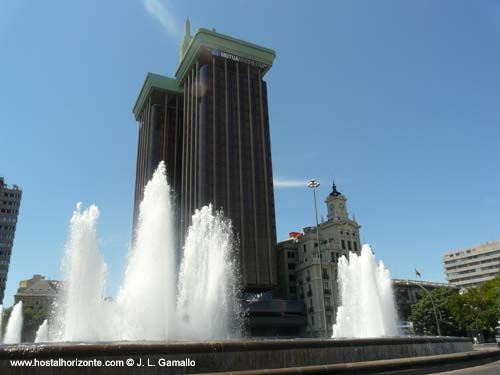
[(5, 318), (476, 309), (31, 321), (432, 304)]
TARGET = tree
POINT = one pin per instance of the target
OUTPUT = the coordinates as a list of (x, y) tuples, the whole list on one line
[(423, 314), (478, 309), (31, 322), (5, 318)]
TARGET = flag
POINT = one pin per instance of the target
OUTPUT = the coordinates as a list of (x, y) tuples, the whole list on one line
[(417, 273)]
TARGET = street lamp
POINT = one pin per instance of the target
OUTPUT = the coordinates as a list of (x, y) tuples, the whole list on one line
[(433, 305), (313, 184)]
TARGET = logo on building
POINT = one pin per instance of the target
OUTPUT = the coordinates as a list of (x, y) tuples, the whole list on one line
[(230, 56)]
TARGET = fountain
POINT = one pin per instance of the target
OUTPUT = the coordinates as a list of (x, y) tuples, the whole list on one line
[(14, 325), (148, 305), (208, 278), (42, 334), (367, 307), (80, 314), (155, 308), (146, 300)]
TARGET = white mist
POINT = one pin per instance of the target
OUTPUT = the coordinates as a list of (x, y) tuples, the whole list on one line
[(367, 307)]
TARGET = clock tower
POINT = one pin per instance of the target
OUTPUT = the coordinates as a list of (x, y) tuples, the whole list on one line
[(336, 203)]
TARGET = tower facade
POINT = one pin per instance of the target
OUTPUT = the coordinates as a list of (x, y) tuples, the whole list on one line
[(10, 201), (216, 142), (336, 205)]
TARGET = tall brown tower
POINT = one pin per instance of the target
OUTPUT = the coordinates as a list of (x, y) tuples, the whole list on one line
[(10, 201), (220, 150)]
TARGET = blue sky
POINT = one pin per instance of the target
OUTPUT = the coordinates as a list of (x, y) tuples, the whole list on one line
[(396, 100)]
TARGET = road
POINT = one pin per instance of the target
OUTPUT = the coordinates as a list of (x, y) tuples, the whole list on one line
[(492, 368)]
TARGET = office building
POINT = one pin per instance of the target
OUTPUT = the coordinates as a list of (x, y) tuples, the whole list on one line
[(302, 277), (473, 265), (210, 124), (10, 201), (37, 293)]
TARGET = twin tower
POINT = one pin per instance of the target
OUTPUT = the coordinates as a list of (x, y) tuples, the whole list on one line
[(210, 125)]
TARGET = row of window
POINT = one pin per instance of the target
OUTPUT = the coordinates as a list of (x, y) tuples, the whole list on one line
[(461, 253), (50, 291), (489, 253), (328, 307), (475, 277), (11, 195), (9, 211), (10, 203), (454, 274), (7, 236), (7, 227), (349, 247), (497, 260), (326, 276), (8, 219)]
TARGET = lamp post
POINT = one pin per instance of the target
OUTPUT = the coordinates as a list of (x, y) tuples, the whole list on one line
[(313, 184), (433, 305)]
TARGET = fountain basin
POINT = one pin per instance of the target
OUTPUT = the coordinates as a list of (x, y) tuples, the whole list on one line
[(227, 355)]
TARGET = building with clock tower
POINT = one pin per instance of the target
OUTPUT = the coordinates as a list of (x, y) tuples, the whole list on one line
[(336, 204), (299, 264)]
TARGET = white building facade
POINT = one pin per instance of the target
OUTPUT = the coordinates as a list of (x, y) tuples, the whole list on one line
[(304, 276), (472, 266)]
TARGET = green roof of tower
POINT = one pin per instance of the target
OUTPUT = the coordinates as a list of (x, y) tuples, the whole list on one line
[(204, 38), (189, 49), (154, 81)]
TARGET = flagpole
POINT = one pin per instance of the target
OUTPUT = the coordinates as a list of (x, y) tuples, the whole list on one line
[(432, 301)]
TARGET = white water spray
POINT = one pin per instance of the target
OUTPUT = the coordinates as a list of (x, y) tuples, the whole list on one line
[(14, 325), (42, 334), (367, 300), (146, 304), (146, 299), (208, 278), (82, 315)]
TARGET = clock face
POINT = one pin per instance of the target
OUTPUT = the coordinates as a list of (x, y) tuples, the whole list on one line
[(332, 207), (341, 205)]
